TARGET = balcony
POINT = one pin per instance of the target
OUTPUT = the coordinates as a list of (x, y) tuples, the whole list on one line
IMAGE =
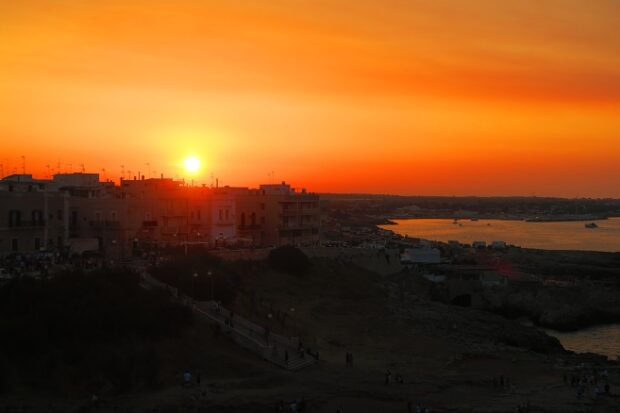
[(224, 223), (105, 224), (27, 224), (296, 225), (249, 227)]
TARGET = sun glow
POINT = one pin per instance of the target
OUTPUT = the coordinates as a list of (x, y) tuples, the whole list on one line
[(192, 164)]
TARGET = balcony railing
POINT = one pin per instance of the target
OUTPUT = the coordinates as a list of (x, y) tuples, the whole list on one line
[(104, 224), (27, 224)]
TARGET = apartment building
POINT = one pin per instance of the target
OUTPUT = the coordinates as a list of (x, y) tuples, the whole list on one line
[(80, 213)]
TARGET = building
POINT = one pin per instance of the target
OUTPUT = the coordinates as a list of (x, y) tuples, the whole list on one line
[(277, 214), (77, 212), (421, 255)]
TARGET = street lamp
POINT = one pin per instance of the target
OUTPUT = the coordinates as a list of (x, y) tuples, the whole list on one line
[(210, 274), (195, 275)]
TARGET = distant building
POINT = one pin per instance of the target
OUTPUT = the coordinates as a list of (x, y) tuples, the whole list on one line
[(479, 244), (422, 255)]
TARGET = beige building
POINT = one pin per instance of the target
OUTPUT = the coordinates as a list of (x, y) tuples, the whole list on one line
[(77, 212), (277, 215)]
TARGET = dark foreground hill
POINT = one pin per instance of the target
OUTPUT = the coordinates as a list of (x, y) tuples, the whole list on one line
[(80, 331)]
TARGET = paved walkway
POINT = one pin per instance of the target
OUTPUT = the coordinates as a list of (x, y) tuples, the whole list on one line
[(284, 351)]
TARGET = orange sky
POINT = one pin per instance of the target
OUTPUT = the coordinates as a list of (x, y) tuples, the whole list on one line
[(447, 97)]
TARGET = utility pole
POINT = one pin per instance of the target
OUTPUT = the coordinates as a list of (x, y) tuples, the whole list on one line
[(186, 224)]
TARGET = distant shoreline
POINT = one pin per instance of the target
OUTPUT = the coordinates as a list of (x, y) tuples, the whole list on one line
[(391, 219), (568, 235)]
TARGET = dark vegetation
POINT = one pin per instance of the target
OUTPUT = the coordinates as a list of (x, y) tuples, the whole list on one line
[(203, 276), (289, 259), (84, 331)]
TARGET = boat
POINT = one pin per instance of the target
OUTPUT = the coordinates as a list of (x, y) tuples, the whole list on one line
[(591, 225)]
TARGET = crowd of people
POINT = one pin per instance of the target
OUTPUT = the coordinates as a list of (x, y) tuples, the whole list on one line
[(37, 264), (586, 380)]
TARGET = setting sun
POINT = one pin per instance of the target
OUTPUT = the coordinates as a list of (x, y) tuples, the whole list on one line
[(192, 164)]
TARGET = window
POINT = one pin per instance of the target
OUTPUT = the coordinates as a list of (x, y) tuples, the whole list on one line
[(37, 217), (113, 216), (98, 216), (59, 214), (15, 218), (37, 244), (14, 244)]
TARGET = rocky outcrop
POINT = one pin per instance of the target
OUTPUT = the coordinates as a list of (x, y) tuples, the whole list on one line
[(559, 308)]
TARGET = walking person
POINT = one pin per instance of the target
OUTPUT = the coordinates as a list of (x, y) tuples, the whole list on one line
[(388, 377)]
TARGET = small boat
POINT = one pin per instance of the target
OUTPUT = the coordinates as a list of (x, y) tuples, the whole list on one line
[(591, 225)]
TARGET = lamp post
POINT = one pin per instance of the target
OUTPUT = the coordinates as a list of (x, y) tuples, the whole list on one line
[(210, 274), (195, 275)]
